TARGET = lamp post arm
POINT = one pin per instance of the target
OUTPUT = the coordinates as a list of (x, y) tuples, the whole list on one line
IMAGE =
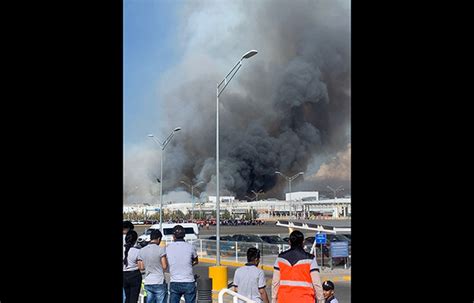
[(223, 80), (167, 140), (227, 82)]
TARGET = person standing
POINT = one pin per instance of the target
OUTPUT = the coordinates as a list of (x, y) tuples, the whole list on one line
[(182, 257), (328, 292), (296, 274), (249, 280), (132, 278), (152, 259), (127, 225)]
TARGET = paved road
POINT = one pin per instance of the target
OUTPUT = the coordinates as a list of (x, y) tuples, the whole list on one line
[(343, 289), (269, 228)]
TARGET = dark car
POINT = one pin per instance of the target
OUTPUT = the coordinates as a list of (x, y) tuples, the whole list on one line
[(246, 238), (227, 247), (223, 238), (273, 240), (251, 240), (276, 244), (335, 238)]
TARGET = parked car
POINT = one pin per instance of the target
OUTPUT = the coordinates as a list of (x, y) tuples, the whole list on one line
[(276, 241), (227, 246), (251, 240), (223, 238), (273, 240), (246, 238), (191, 232)]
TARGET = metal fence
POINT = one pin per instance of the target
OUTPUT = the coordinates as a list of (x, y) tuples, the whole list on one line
[(237, 251)]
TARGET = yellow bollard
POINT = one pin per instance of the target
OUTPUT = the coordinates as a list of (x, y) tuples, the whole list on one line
[(218, 274)]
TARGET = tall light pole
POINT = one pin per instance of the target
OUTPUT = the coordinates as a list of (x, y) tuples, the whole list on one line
[(257, 193), (289, 179), (256, 198), (163, 146), (335, 190), (192, 195), (219, 91), (251, 209)]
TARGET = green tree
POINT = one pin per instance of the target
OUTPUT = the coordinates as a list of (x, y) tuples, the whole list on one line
[(225, 215)]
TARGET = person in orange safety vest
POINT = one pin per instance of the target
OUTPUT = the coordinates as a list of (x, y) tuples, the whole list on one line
[(296, 275)]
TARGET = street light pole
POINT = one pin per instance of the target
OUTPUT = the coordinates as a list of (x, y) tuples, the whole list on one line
[(335, 190), (161, 190), (289, 179), (192, 195), (163, 146), (219, 91), (256, 194)]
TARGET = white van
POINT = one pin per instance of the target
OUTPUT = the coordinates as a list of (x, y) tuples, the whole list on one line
[(191, 230)]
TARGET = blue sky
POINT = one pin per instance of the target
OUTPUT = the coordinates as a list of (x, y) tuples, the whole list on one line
[(149, 30)]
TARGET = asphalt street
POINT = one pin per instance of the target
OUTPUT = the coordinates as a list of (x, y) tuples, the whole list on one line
[(269, 228)]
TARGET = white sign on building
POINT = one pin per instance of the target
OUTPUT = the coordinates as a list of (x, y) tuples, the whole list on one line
[(302, 196), (224, 199)]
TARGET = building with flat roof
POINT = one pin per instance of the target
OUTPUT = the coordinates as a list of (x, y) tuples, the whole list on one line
[(302, 196)]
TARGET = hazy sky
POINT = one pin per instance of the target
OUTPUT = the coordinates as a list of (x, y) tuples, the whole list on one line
[(287, 109), (149, 31)]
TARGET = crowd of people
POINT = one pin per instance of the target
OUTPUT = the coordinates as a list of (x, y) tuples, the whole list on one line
[(296, 276), (206, 222), (177, 257)]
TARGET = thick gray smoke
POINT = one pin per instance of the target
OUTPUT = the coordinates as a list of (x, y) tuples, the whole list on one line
[(287, 109)]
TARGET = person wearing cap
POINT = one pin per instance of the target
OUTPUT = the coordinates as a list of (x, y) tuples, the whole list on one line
[(328, 292), (182, 257), (296, 274), (152, 259), (249, 280)]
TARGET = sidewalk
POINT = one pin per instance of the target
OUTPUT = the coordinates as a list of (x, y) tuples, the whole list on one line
[(336, 274)]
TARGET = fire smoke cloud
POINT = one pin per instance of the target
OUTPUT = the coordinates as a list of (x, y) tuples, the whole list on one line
[(287, 109)]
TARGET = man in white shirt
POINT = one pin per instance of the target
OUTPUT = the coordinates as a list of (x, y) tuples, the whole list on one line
[(182, 257), (152, 259), (249, 280)]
